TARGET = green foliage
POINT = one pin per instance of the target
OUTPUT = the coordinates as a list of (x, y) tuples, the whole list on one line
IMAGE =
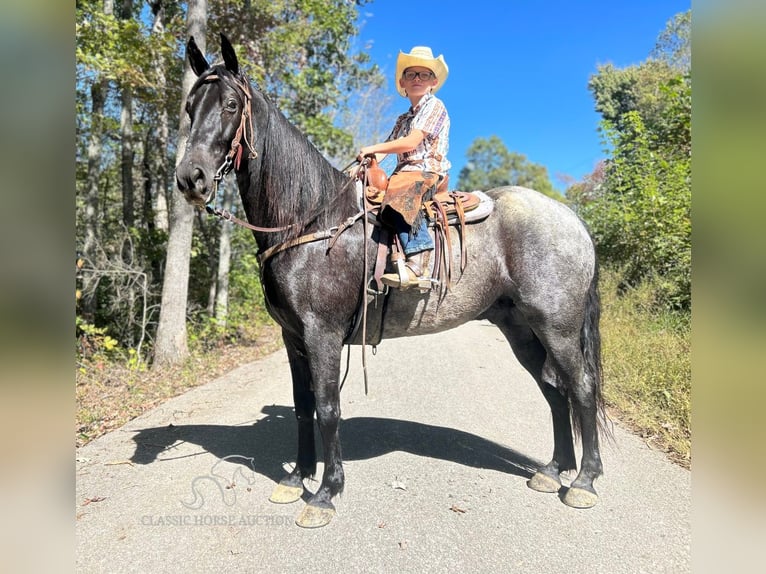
[(642, 221), (246, 301), (490, 164), (618, 91), (638, 206), (674, 44), (92, 340), (117, 47), (246, 309)]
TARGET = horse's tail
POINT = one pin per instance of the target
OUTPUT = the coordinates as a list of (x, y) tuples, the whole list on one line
[(590, 344)]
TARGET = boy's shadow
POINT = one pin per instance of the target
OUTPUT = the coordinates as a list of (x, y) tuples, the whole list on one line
[(273, 440)]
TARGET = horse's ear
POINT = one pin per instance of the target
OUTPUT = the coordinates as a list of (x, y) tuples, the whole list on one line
[(229, 55), (196, 57)]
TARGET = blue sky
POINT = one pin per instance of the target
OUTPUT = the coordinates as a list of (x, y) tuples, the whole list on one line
[(519, 69)]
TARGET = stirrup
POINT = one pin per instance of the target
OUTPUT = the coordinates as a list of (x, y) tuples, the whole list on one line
[(408, 274)]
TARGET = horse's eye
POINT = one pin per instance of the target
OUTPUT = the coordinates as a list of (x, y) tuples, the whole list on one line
[(231, 105)]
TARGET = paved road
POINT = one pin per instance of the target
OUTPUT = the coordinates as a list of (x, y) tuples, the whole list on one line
[(436, 462)]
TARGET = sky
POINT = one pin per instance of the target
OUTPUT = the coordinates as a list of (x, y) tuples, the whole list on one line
[(519, 69)]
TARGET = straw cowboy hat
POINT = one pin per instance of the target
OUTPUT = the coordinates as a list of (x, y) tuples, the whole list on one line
[(421, 56)]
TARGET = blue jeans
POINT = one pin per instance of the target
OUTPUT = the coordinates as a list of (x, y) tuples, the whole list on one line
[(419, 241)]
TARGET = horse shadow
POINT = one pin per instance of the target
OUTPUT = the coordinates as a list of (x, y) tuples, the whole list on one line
[(268, 442)]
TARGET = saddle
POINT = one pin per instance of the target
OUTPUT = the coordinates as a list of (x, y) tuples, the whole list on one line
[(412, 195)]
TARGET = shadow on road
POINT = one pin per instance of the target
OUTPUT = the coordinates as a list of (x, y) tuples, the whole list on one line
[(272, 440)]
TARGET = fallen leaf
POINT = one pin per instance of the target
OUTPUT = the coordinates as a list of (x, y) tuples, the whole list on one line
[(87, 501)]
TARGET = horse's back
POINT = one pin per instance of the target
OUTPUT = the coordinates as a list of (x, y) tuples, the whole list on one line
[(532, 212), (538, 228)]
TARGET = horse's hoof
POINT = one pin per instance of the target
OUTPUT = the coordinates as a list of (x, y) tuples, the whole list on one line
[(284, 494), (580, 498), (543, 483), (314, 517)]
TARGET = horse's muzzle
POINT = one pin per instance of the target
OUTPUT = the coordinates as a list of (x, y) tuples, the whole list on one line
[(194, 183)]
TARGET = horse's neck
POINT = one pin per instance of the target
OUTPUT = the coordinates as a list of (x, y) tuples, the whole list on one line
[(289, 182)]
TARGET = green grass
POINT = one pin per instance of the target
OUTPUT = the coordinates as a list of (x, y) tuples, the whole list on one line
[(647, 366)]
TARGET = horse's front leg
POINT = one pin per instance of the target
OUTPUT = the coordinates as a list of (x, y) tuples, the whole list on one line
[(324, 352), (290, 488)]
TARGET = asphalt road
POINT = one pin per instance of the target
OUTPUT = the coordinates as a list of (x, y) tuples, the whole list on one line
[(436, 460)]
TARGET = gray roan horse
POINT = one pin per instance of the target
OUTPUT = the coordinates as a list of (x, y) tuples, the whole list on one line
[(531, 271)]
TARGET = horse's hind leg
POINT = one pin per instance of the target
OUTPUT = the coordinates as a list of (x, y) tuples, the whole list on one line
[(290, 488), (547, 478), (532, 356), (585, 406), (564, 369)]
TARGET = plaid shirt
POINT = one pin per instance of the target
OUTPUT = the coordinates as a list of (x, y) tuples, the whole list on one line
[(431, 117)]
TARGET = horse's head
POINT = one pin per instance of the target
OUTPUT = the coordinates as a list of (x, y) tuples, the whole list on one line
[(218, 106)]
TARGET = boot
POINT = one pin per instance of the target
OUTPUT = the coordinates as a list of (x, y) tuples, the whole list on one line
[(410, 273)]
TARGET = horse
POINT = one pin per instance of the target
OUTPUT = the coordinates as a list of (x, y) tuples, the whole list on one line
[(531, 271)]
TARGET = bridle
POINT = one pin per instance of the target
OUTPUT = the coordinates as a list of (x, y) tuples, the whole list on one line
[(233, 158)]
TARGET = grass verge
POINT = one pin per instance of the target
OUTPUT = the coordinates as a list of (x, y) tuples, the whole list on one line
[(647, 367)]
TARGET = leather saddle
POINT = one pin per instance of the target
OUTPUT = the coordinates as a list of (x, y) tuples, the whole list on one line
[(444, 209)]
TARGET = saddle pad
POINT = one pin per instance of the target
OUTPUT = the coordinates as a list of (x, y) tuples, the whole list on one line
[(480, 210)]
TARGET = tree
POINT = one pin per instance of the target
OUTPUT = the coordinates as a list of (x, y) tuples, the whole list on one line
[(640, 211), (674, 45), (490, 164), (617, 91), (98, 92), (368, 119), (171, 346), (581, 193)]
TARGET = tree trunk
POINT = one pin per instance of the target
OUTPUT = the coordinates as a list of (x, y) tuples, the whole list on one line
[(171, 345), (98, 91), (160, 164), (224, 261), (126, 137), (126, 133)]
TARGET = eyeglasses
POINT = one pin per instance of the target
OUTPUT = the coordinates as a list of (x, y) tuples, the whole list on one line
[(425, 76)]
